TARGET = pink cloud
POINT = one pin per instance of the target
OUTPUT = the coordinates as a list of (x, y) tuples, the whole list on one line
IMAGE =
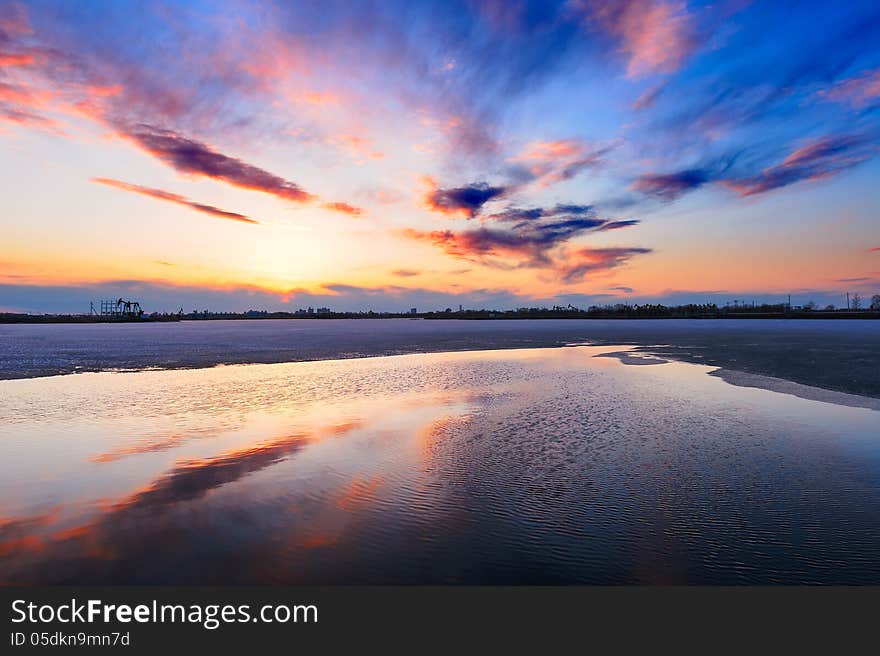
[(656, 35), (483, 245), (858, 91), (818, 160), (549, 162), (25, 118), (15, 59), (201, 160)]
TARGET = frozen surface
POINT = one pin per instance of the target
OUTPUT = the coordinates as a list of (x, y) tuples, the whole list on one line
[(834, 354)]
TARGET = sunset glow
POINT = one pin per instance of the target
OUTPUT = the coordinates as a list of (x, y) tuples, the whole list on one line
[(394, 155)]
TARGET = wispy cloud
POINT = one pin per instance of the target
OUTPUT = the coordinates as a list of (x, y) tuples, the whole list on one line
[(549, 162), (655, 35), (819, 159), (618, 225), (669, 186), (582, 261), (859, 91), (359, 146), (177, 199), (518, 215), (199, 159)]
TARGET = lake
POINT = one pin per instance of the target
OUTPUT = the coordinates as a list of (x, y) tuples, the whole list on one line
[(538, 466)]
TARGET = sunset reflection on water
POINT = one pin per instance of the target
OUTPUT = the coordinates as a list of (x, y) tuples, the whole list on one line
[(542, 465)]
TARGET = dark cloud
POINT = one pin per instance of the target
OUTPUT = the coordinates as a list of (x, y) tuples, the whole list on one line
[(578, 263), (617, 225), (822, 158), (467, 200), (482, 242), (196, 158), (405, 273), (524, 237), (176, 199), (669, 186), (527, 245), (519, 215), (191, 480)]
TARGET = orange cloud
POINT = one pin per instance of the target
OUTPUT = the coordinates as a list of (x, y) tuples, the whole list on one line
[(345, 208), (15, 59), (167, 196), (357, 145), (321, 98)]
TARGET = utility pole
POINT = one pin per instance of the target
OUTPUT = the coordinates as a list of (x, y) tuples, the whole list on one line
[(847, 300)]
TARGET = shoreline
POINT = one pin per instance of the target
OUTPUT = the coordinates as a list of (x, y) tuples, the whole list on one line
[(832, 355), (636, 356), (782, 386)]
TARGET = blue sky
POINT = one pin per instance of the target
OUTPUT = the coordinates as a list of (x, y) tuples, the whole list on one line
[(394, 154)]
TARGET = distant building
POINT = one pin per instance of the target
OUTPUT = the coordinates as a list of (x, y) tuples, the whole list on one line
[(413, 311), (323, 310)]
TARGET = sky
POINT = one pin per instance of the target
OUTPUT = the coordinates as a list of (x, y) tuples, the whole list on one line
[(387, 155)]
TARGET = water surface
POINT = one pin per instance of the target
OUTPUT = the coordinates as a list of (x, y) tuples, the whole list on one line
[(527, 466)]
